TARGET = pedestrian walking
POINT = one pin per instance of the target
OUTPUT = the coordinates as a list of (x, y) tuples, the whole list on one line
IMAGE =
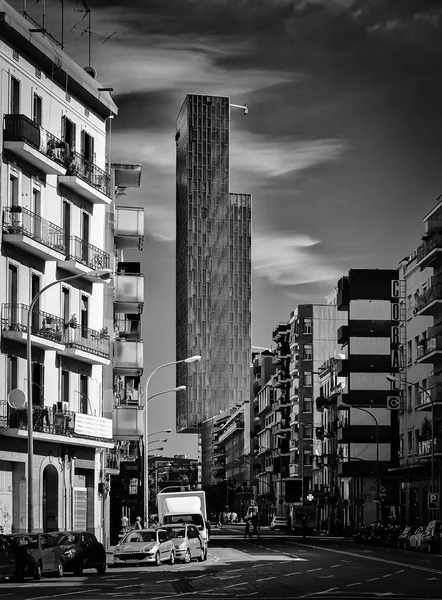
[(124, 524), (138, 523)]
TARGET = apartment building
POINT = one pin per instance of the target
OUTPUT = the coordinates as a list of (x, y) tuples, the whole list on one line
[(56, 191), (367, 428)]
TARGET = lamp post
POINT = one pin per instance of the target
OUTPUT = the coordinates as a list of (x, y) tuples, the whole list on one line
[(378, 483), (190, 359), (99, 274), (393, 379)]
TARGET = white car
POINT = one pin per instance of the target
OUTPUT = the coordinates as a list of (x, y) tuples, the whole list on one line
[(278, 523), (188, 542), (416, 538), (144, 546)]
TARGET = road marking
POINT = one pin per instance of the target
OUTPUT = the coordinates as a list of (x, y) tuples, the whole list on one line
[(289, 574), (388, 575), (352, 584), (373, 579), (401, 571), (121, 587), (235, 570), (335, 566), (67, 594), (237, 584), (229, 577), (319, 593), (432, 579), (376, 559), (311, 570), (266, 578), (326, 576)]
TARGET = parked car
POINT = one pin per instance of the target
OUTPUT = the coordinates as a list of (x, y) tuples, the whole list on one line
[(431, 538), (187, 541), (81, 550), (404, 537), (144, 546), (43, 553), (13, 559), (278, 523), (415, 539)]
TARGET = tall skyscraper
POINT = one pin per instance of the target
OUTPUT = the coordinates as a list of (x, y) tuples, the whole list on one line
[(213, 267)]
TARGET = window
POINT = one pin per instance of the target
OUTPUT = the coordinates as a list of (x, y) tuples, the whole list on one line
[(401, 444), (308, 325), (13, 190), (308, 352), (68, 129), (65, 386), (87, 146), (37, 109), (409, 397), (410, 442), (15, 96), (308, 378), (409, 353), (307, 405), (307, 456), (307, 431)]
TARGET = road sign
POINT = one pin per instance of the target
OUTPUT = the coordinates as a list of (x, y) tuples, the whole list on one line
[(433, 501), (393, 402)]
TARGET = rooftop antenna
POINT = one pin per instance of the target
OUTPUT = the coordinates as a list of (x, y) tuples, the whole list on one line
[(87, 11)]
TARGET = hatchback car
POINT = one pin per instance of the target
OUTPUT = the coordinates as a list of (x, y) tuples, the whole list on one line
[(278, 523), (187, 541), (81, 550), (13, 559), (144, 546), (431, 538), (415, 539), (43, 552)]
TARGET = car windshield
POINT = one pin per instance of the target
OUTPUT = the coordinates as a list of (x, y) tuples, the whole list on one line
[(141, 536), (67, 539), (176, 532), (28, 541), (195, 519)]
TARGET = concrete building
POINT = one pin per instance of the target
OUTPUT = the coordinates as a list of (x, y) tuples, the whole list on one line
[(56, 191), (213, 267)]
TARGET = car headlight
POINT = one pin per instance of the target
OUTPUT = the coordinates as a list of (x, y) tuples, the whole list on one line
[(148, 548), (180, 547), (69, 553), (117, 550)]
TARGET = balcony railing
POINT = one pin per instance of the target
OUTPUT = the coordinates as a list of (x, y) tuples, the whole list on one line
[(43, 324), (127, 328), (87, 254), (89, 172), (112, 459), (89, 340), (20, 128), (431, 345), (434, 241), (433, 293), (127, 397), (17, 219), (45, 419)]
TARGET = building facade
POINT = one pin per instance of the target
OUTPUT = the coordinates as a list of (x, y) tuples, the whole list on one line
[(213, 267), (56, 190)]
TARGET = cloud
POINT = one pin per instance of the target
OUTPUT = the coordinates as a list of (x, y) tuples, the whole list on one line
[(274, 157), (288, 259)]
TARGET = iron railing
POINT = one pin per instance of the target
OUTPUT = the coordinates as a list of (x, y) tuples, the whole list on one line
[(43, 324), (88, 172), (89, 340), (20, 128), (87, 254), (112, 458), (17, 219), (45, 418)]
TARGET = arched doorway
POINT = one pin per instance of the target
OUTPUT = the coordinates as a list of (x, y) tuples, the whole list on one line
[(50, 498)]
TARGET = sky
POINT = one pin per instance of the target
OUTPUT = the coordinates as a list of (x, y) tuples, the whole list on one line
[(341, 148)]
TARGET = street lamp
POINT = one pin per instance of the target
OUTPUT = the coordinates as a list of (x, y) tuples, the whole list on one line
[(161, 431), (99, 274), (190, 359), (393, 379), (378, 483)]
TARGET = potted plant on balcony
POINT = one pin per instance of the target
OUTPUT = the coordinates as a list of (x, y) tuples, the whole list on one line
[(73, 323), (104, 333)]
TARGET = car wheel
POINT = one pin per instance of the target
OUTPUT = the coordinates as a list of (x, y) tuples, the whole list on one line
[(172, 558), (157, 559), (79, 568), (101, 569), (60, 570), (202, 557), (38, 571), (187, 557)]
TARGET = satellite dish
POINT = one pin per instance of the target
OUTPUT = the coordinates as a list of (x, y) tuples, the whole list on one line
[(16, 399)]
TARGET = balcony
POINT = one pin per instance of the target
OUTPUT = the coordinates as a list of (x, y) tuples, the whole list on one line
[(87, 345), (295, 470), (128, 423), (429, 252), (47, 331), (82, 257), (342, 367), (30, 142), (59, 426), (430, 302), (129, 450), (129, 227), (128, 357), (424, 448), (126, 327), (433, 395), (129, 293), (431, 350), (87, 180), (30, 232), (342, 300), (343, 334), (112, 461)]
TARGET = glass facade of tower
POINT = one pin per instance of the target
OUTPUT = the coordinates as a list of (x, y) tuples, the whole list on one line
[(213, 266)]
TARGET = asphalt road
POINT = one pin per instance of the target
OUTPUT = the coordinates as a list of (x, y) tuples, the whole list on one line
[(277, 566)]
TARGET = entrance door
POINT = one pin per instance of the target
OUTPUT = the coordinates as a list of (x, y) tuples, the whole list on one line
[(66, 219), (50, 499), (35, 317)]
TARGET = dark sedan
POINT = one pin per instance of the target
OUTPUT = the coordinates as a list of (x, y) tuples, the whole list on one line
[(13, 560), (81, 550), (43, 552)]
